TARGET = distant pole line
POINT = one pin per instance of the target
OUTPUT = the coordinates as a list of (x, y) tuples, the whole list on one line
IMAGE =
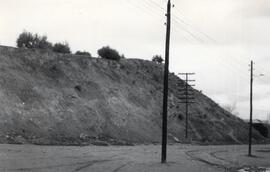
[(165, 88), (187, 96), (251, 109)]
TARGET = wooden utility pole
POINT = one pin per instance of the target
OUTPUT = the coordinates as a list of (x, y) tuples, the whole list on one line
[(165, 88), (187, 96), (186, 105), (251, 108)]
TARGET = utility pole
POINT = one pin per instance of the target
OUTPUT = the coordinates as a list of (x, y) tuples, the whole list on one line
[(187, 96), (251, 108), (165, 88)]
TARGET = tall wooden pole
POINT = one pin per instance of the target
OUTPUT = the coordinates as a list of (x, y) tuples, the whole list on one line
[(251, 109), (187, 105), (187, 96), (165, 89)]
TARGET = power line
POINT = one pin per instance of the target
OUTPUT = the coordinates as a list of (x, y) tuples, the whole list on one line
[(141, 8), (175, 19), (154, 5), (179, 26), (180, 20), (190, 25), (189, 32), (224, 62)]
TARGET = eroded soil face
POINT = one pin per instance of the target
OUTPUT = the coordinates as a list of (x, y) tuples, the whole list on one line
[(54, 99)]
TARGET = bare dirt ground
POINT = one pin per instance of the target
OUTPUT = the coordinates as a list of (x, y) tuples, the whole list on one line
[(184, 158)]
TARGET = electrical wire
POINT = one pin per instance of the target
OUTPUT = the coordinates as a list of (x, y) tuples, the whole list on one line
[(180, 25)]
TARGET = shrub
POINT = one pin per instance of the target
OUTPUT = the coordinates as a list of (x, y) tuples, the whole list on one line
[(109, 53), (61, 48), (42, 43), (123, 56), (25, 39), (262, 129), (158, 59), (29, 40), (180, 117), (83, 53)]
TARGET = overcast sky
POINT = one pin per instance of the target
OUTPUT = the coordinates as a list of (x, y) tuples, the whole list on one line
[(214, 38)]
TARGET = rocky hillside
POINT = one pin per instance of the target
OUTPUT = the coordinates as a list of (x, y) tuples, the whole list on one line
[(49, 98)]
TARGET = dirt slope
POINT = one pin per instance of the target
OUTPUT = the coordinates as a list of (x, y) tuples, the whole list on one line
[(49, 98)]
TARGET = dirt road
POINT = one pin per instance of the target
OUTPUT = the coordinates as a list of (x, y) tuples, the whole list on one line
[(181, 158)]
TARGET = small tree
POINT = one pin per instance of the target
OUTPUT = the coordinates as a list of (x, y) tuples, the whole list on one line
[(109, 53), (25, 39), (231, 108), (42, 43), (123, 56), (61, 48), (29, 40), (83, 53), (158, 59)]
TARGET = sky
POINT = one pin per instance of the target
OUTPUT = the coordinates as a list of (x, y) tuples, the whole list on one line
[(216, 39)]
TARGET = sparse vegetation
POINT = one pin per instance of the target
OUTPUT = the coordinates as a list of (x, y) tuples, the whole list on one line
[(61, 48), (123, 56), (34, 41), (158, 59), (231, 108), (78, 88), (261, 128), (43, 43), (180, 117), (109, 53), (29, 40), (85, 53), (121, 87)]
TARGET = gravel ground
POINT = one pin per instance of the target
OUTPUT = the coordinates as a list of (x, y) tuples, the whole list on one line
[(184, 158)]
